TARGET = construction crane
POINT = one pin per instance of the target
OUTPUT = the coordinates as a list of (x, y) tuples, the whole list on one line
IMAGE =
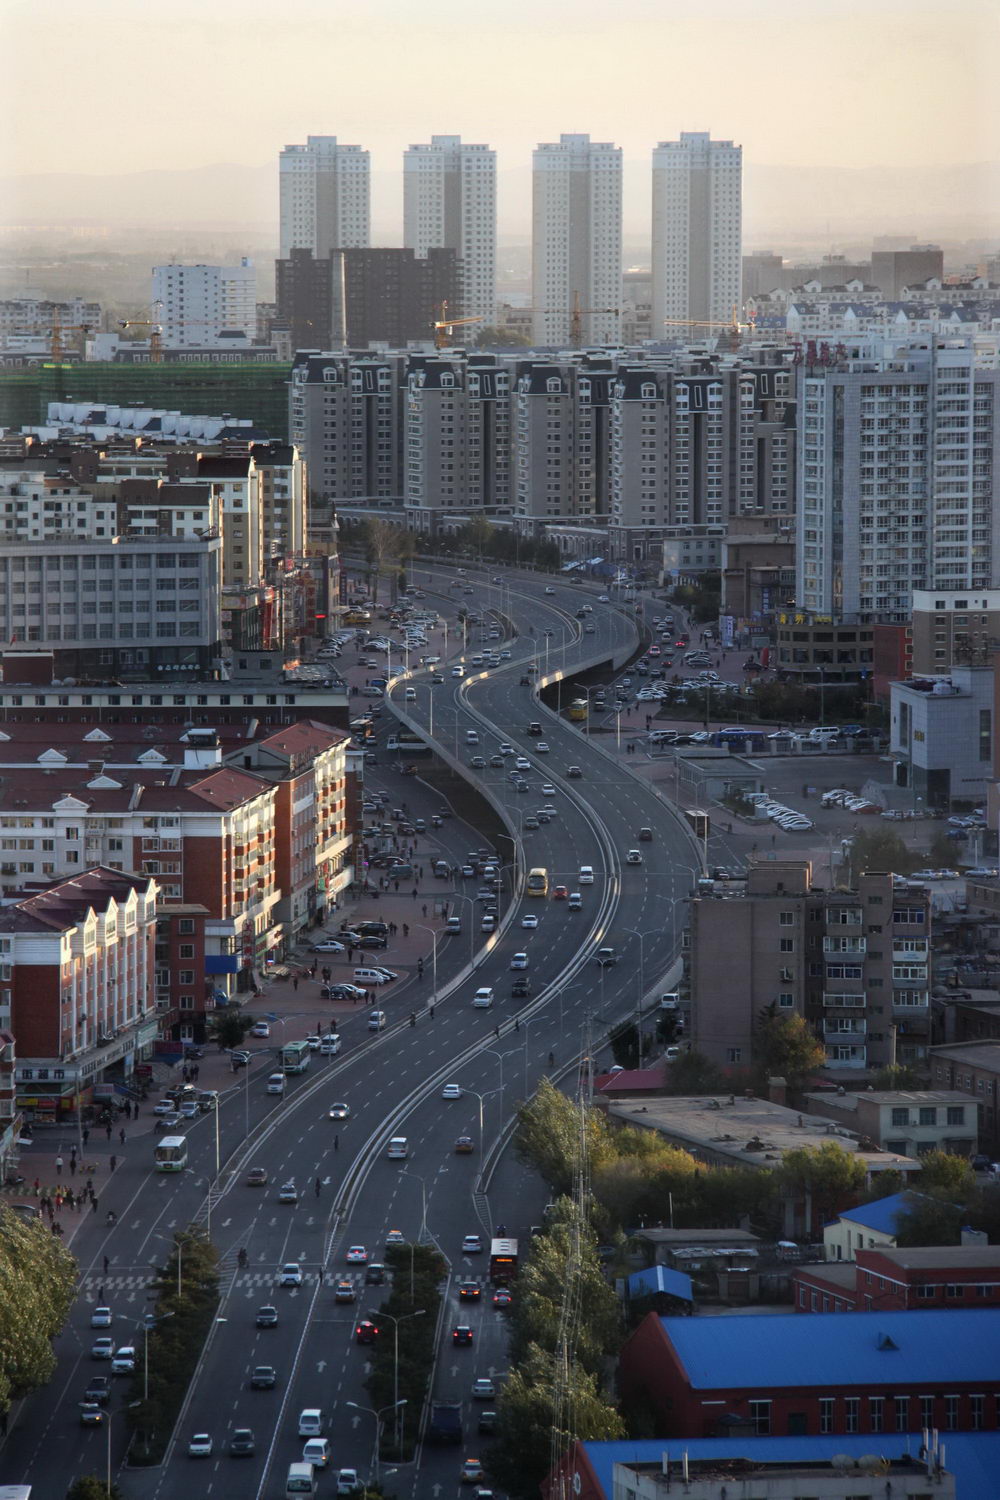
[(577, 315), (733, 326), (155, 336), (444, 326), (56, 329)]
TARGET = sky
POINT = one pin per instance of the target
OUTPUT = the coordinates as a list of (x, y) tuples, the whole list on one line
[(126, 85)]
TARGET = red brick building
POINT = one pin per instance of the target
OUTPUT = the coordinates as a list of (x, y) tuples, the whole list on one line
[(888, 1278)]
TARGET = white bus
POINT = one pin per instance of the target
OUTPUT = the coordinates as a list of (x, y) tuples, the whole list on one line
[(171, 1154)]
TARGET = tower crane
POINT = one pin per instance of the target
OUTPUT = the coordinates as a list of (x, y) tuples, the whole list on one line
[(577, 315), (444, 325)]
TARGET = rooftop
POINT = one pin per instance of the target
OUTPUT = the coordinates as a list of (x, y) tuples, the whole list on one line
[(882, 1216), (976, 1054)]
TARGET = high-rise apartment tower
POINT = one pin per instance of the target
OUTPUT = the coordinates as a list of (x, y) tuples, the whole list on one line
[(324, 191), (450, 203), (697, 231), (576, 240)]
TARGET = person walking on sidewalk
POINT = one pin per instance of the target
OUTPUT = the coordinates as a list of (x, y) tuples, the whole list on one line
[(59, 1166), (113, 1163)]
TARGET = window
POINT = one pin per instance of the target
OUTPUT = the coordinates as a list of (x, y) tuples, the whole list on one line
[(900, 1117), (876, 1413), (926, 1291), (786, 918), (950, 1413), (786, 945), (760, 1416), (734, 1054), (186, 976), (953, 1289), (186, 950), (902, 1406), (927, 1411), (826, 1413), (852, 1413), (977, 1406)]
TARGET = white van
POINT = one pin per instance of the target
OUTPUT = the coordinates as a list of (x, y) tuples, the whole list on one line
[(453, 926), (276, 1083), (586, 875), (311, 1422), (370, 976), (301, 1480), (317, 1453), (376, 1020), (399, 1148)]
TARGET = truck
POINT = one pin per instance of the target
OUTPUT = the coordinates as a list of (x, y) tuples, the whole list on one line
[(445, 1423), (408, 744)]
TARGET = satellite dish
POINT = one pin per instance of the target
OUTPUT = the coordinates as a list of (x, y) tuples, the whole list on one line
[(842, 1461), (873, 1463)]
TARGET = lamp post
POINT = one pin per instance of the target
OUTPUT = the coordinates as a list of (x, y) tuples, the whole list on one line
[(107, 1419), (481, 1098), (378, 1427), (434, 957), (458, 895), (150, 1321), (642, 936)]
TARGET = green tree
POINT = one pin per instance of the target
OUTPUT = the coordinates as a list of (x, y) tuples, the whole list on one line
[(786, 1047), (547, 1402), (565, 1257), (898, 1076), (940, 851), (37, 1276), (881, 850), (228, 1027), (827, 1177), (929, 1221), (946, 1175), (89, 1487), (551, 1133), (694, 1073)]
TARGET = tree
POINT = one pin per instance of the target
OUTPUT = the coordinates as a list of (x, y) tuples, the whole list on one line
[(694, 1073), (929, 1221), (898, 1076), (882, 850), (786, 1047), (37, 1276), (565, 1256), (940, 851), (946, 1175), (548, 1401), (380, 544), (89, 1487), (492, 337), (550, 1133), (827, 1177), (228, 1027)]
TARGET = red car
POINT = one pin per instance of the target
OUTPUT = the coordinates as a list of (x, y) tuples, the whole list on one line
[(366, 1332), (503, 1297), (560, 893)]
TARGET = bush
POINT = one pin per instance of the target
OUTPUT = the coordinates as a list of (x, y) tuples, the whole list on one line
[(417, 1273)]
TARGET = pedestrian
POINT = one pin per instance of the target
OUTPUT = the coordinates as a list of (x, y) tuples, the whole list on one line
[(350, 954), (424, 910), (496, 1031), (68, 1197), (72, 1153), (406, 930), (107, 1130), (93, 1203), (319, 1273), (59, 1166), (312, 971), (37, 1187), (319, 1187), (517, 1023), (121, 1135), (197, 1070), (100, 1293), (431, 1008), (113, 1163), (415, 893), (295, 983), (106, 1265)]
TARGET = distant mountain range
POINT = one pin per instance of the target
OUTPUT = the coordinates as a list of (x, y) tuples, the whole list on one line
[(781, 204)]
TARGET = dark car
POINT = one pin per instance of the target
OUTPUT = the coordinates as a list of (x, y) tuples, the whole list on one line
[(366, 1332), (375, 1274), (241, 1444), (98, 1390), (239, 1059), (487, 1423), (520, 989), (372, 939), (469, 1291), (462, 1334), (264, 1378), (91, 1415), (267, 1317)]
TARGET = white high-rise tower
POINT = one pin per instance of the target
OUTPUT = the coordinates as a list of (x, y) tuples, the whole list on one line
[(450, 203), (697, 231), (324, 190), (576, 240)]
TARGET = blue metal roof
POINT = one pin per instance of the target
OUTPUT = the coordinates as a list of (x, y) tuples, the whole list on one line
[(882, 1215), (660, 1279), (838, 1349), (973, 1457)]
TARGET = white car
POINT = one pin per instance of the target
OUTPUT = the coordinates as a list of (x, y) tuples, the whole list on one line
[(455, 672), (530, 920), (542, 748), (483, 998), (348, 1482), (260, 1028), (123, 1362), (451, 1091), (548, 790), (100, 1317), (522, 763), (200, 1446), (291, 1274), (328, 945), (519, 961)]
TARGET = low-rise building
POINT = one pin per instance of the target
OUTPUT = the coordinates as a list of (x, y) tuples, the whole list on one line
[(908, 1121), (821, 649), (942, 736), (895, 1279), (953, 628), (973, 1069), (865, 1226)]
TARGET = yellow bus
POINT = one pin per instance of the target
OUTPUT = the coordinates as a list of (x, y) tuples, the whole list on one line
[(538, 882), (578, 710)]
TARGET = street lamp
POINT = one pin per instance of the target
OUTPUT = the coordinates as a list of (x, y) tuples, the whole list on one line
[(395, 1321), (481, 1098), (148, 1322), (642, 936), (472, 923), (378, 1427), (107, 1419), (434, 958)]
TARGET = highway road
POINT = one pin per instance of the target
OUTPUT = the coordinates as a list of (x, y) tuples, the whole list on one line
[(393, 1083)]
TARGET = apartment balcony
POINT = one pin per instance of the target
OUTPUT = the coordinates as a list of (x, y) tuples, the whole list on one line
[(841, 1000), (855, 1035), (843, 1055), (856, 946), (839, 918)]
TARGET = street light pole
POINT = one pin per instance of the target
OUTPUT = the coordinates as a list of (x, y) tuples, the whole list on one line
[(434, 957), (378, 1428)]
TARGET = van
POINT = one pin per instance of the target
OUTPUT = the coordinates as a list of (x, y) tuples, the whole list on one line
[(471, 737), (586, 875), (316, 1452), (453, 926), (376, 1020), (301, 1480), (399, 1148), (311, 1422), (208, 1100), (368, 976), (276, 1083), (442, 869), (670, 1001)]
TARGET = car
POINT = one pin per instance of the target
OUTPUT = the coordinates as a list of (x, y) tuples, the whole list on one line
[(606, 957), (521, 988), (374, 1273), (240, 1058), (91, 1415), (574, 773), (350, 992), (163, 1107), (101, 1317), (519, 961), (458, 671), (496, 761), (464, 1145), (462, 1335), (313, 1041), (542, 748), (263, 1378), (241, 1444), (487, 1422), (123, 1362), (530, 921), (548, 790), (469, 1291), (472, 1244), (366, 1332), (395, 1237), (102, 1348), (560, 892), (98, 1390), (633, 857), (291, 1274), (339, 1111), (483, 998), (549, 589), (503, 1297), (575, 902), (267, 1317), (357, 1255), (451, 1091), (328, 945), (483, 1389), (522, 763), (289, 1193), (256, 1177), (344, 1290), (477, 763), (329, 1046), (472, 1471), (169, 1122), (189, 1109), (531, 823), (348, 1482)]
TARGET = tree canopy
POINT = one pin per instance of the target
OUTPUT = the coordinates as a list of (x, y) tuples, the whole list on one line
[(37, 1276)]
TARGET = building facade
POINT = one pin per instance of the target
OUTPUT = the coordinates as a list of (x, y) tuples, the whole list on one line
[(450, 203), (576, 241), (697, 232), (390, 296), (195, 305), (953, 628), (941, 736), (889, 1279), (324, 196)]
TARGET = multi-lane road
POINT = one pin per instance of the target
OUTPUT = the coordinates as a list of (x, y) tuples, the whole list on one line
[(393, 1083)]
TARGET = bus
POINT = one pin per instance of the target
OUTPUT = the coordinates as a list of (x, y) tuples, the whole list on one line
[(295, 1057), (171, 1154), (503, 1261), (577, 710), (538, 881)]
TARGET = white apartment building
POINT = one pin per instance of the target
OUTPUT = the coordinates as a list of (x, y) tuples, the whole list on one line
[(895, 475), (205, 306), (576, 240), (324, 197), (457, 429), (450, 203), (697, 231)]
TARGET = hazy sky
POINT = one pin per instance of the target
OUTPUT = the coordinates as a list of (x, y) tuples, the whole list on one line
[(119, 85)]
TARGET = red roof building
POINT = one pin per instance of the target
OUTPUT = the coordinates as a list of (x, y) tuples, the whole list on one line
[(890, 1278)]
